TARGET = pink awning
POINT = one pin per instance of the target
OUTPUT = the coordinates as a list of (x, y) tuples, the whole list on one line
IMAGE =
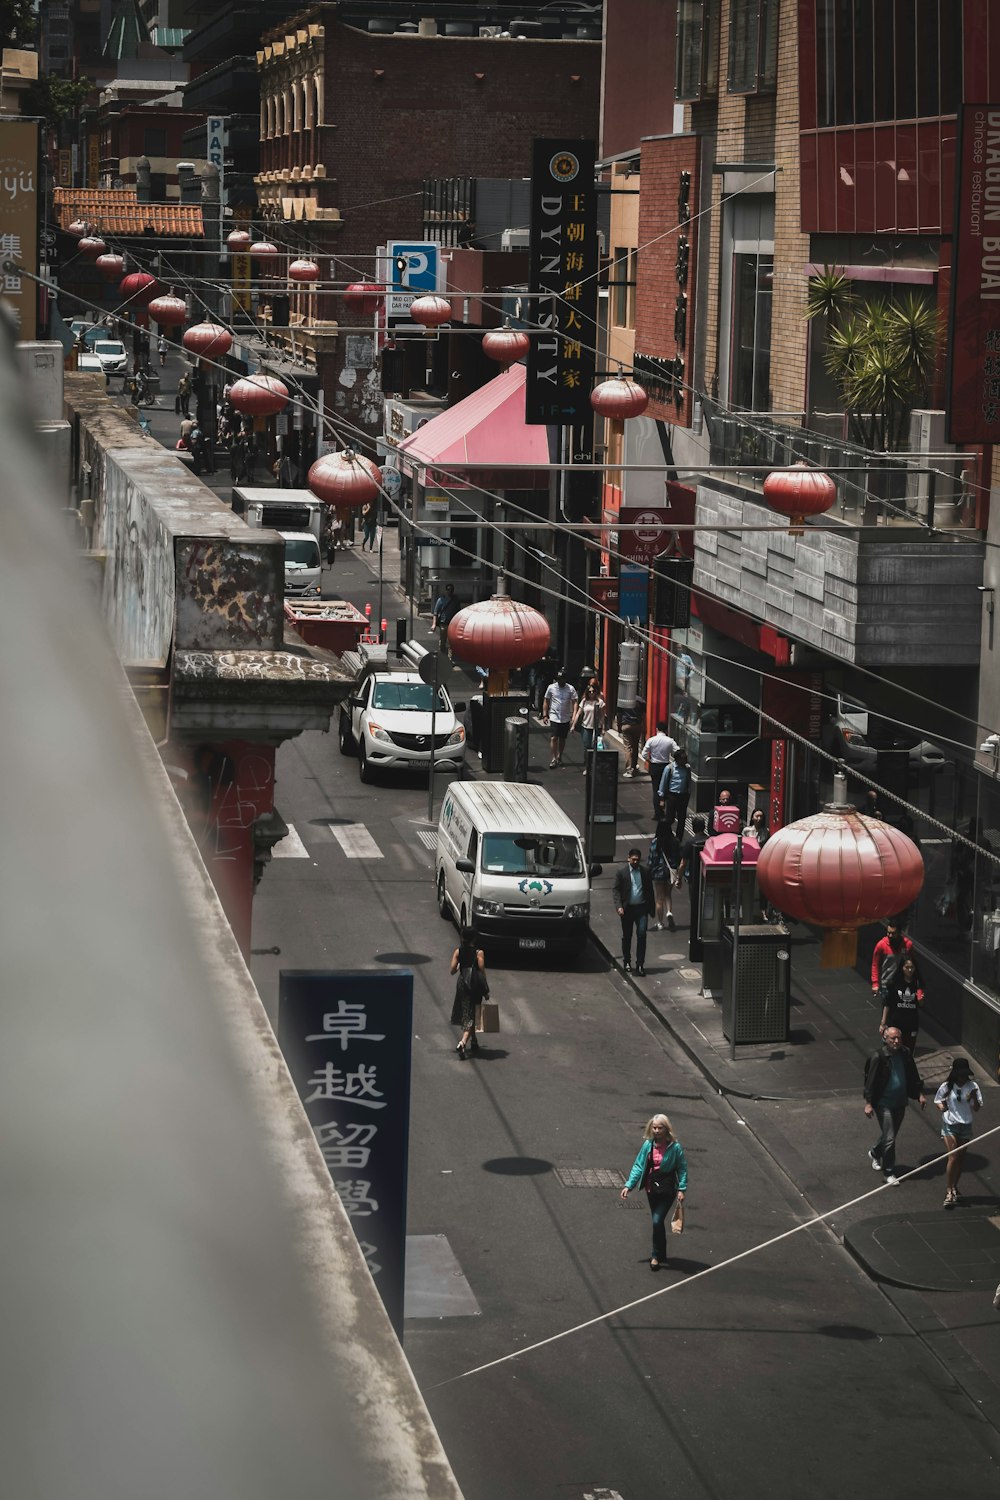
[(488, 427)]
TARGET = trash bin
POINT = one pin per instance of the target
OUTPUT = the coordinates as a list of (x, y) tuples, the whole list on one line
[(515, 750), (496, 712), (763, 983)]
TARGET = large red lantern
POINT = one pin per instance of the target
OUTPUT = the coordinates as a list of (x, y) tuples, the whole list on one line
[(619, 398), (499, 633), (799, 492), (303, 270), (91, 245), (110, 266), (78, 227), (238, 241), (430, 311), (345, 479), (259, 396), (364, 297), (266, 254), (840, 870), (139, 288), (208, 340), (506, 345), (169, 312)]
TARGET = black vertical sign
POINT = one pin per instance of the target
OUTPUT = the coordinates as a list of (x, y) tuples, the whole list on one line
[(345, 1036), (563, 268)]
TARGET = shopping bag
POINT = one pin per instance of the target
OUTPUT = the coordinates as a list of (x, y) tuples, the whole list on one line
[(488, 1016), (677, 1222)]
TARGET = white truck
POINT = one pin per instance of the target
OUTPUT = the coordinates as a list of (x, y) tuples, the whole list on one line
[(298, 516)]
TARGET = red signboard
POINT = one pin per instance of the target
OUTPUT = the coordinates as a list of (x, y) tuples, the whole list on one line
[(645, 533), (974, 324), (604, 591)]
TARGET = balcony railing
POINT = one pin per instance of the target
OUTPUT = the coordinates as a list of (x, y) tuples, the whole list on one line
[(891, 489)]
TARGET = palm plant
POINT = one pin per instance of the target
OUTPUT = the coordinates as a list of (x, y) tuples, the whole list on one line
[(881, 353)]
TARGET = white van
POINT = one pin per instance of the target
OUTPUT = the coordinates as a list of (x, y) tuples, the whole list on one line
[(511, 864), (303, 566)]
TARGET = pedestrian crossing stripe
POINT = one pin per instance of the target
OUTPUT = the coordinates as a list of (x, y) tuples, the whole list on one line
[(356, 841), (290, 847)]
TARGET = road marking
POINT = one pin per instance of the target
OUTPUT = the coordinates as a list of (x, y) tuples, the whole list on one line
[(290, 847), (428, 837), (356, 841)]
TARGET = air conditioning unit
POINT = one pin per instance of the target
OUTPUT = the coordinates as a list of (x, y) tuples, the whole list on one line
[(927, 435), (514, 239)]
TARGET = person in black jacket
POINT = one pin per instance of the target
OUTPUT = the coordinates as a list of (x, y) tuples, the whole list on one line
[(891, 1078), (635, 902)]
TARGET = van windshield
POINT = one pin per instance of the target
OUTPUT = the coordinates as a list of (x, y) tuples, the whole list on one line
[(303, 552), (528, 854)]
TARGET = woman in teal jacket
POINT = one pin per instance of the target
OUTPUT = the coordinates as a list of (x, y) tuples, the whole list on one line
[(661, 1168)]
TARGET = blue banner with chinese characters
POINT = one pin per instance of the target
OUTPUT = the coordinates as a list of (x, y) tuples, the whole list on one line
[(563, 266), (346, 1037)]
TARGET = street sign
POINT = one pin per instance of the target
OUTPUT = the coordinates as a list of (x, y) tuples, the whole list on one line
[(216, 149), (392, 483), (653, 534), (418, 272), (633, 593)]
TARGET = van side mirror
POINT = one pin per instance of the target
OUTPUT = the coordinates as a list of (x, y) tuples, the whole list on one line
[(595, 870), (465, 867)]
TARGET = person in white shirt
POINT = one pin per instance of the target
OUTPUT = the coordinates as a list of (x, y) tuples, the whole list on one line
[(958, 1099), (657, 752), (557, 714)]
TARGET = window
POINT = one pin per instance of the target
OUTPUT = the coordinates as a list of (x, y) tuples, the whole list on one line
[(753, 46), (883, 59), (697, 49), (556, 857), (622, 284), (753, 277), (154, 141)]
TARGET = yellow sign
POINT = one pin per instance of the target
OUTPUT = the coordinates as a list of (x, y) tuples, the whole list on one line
[(19, 220)]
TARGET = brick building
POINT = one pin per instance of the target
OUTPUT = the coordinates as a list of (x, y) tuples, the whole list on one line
[(801, 135), (354, 119)]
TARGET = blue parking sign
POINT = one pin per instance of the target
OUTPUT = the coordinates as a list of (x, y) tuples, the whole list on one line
[(418, 275)]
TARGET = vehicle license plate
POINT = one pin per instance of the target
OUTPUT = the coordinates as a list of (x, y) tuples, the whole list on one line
[(531, 943)]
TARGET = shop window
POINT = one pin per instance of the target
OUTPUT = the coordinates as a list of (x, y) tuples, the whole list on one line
[(697, 66), (882, 59), (753, 277), (753, 46), (622, 284)]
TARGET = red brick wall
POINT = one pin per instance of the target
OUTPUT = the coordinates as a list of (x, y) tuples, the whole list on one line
[(661, 165)]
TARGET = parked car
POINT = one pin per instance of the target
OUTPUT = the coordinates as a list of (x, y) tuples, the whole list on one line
[(386, 722), (855, 735), (112, 355), (82, 328)]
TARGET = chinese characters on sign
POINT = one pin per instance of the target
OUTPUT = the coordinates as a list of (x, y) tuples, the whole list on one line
[(346, 1039), (19, 219), (563, 267), (974, 334)]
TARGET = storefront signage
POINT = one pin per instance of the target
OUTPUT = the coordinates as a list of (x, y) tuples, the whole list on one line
[(651, 535), (346, 1039), (604, 592), (414, 268), (974, 321), (19, 220), (216, 151), (633, 593), (563, 264)]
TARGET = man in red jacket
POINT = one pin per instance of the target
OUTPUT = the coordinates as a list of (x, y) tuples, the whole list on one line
[(888, 955)]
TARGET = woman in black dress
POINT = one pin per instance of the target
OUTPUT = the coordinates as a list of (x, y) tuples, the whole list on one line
[(469, 962), (900, 1000)]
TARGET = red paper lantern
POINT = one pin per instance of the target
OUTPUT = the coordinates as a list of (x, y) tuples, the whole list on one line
[(500, 633), (303, 270), (266, 253), (208, 340), (799, 492), (91, 245), (78, 227), (619, 398), (139, 288), (840, 870), (259, 396), (111, 266), (169, 312), (506, 345), (364, 297), (345, 479), (239, 241), (430, 311)]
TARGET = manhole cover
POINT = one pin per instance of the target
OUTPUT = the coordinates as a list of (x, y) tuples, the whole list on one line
[(589, 1177), (689, 973)]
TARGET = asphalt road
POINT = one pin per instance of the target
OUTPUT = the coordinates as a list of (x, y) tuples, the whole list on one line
[(786, 1372)]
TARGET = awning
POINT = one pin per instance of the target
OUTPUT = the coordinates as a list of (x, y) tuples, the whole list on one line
[(488, 427)]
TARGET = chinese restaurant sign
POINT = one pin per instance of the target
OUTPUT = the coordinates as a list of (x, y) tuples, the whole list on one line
[(19, 219), (563, 269), (345, 1036), (974, 332)]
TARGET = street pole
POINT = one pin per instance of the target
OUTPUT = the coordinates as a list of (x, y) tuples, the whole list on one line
[(430, 777), (738, 892)]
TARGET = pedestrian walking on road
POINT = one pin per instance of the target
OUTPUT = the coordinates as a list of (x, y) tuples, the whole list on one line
[(959, 1098), (664, 857), (635, 903), (675, 793), (471, 988), (369, 526), (661, 1169), (558, 709), (632, 726), (891, 1078), (657, 752), (900, 999), (888, 955), (589, 714)]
